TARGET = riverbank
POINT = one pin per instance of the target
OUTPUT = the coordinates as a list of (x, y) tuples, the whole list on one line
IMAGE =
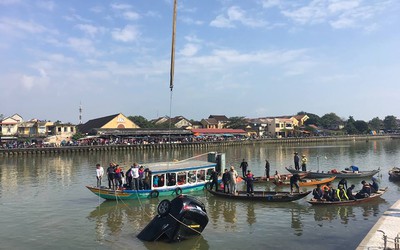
[(208, 144), (385, 234)]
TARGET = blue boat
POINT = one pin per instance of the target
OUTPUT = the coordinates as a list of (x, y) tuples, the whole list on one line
[(174, 178)]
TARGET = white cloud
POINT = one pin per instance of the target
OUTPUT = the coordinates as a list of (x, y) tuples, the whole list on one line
[(190, 49), (235, 14), (342, 23), (30, 82), (130, 15), (315, 12), (342, 5), (83, 45), (97, 9), (121, 6), (128, 34), (270, 3), (339, 14), (221, 22), (47, 5), (10, 25), (189, 20), (89, 29)]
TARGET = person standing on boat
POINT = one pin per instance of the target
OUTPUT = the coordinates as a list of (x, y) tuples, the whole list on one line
[(118, 176), (111, 176), (129, 178), (296, 159), (250, 183), (141, 177), (232, 180), (99, 174), (243, 166), (214, 180), (303, 163), (294, 182), (225, 181), (267, 168), (135, 176)]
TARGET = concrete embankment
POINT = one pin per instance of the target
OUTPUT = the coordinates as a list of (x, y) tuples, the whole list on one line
[(385, 234), (211, 145)]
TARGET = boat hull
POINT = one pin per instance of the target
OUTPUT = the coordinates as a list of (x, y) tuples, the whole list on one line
[(110, 194), (262, 196), (263, 179), (349, 202), (307, 182), (361, 174)]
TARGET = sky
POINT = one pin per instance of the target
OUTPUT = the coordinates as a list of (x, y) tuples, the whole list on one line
[(251, 58)]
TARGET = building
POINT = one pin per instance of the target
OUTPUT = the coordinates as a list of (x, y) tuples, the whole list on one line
[(9, 125), (117, 121), (222, 120)]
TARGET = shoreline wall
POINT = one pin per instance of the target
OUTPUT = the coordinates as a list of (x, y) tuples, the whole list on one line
[(75, 149)]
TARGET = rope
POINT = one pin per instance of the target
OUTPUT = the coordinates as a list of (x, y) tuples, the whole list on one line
[(184, 224)]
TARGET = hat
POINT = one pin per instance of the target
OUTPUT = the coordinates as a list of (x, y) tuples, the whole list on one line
[(295, 153), (373, 179)]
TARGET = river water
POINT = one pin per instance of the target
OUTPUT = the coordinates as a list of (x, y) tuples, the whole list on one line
[(44, 203)]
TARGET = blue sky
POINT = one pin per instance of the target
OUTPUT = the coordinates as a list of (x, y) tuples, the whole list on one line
[(252, 58)]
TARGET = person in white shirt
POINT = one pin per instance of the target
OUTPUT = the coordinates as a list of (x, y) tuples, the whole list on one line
[(135, 176), (99, 174)]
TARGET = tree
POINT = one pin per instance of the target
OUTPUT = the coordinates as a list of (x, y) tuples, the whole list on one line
[(141, 121), (312, 118), (236, 122), (361, 127), (389, 123), (350, 126), (77, 136), (375, 124), (331, 121)]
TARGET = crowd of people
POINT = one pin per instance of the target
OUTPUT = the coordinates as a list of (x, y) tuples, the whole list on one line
[(136, 177), (343, 192)]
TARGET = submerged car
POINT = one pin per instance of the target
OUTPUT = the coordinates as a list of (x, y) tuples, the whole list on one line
[(181, 218)]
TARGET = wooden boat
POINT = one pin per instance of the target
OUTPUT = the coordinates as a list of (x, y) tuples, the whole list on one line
[(263, 196), (394, 174), (342, 174), (306, 182), (373, 196), (174, 178), (283, 177)]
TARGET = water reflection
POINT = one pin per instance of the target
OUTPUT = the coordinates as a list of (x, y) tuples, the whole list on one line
[(118, 220), (112, 218), (347, 213)]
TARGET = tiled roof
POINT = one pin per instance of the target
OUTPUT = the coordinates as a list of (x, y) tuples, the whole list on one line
[(219, 118), (95, 123)]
